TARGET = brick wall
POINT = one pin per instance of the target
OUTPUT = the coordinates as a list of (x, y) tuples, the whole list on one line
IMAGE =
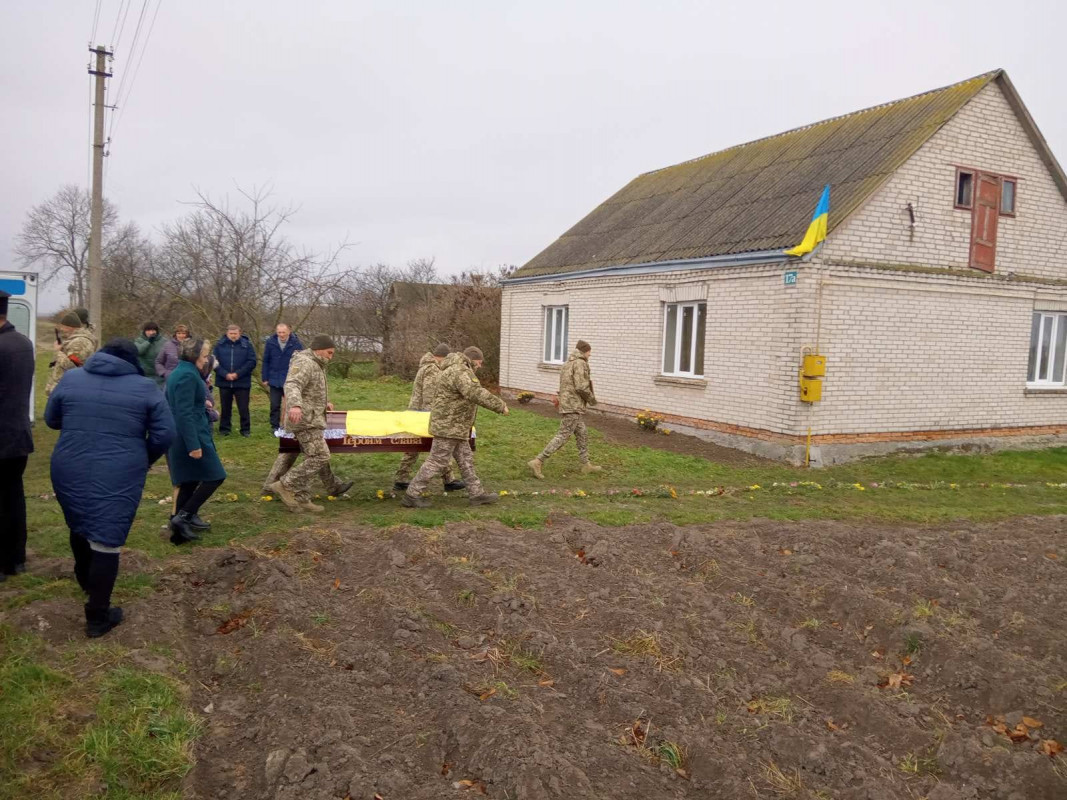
[(986, 135), (753, 336)]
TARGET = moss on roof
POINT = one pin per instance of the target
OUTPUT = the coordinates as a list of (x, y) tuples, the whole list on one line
[(755, 196)]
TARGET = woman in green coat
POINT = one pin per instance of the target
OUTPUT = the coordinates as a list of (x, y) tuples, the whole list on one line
[(194, 464)]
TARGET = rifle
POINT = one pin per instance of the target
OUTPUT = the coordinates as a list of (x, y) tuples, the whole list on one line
[(59, 340)]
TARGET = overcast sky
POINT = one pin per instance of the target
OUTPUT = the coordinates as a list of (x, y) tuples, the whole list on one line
[(471, 132)]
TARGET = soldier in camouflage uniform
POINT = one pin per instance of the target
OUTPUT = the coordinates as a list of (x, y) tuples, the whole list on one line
[(307, 401), (422, 394), (455, 406), (575, 393), (83, 315), (77, 346)]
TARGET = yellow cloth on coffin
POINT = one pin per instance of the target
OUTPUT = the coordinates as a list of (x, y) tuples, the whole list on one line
[(387, 423)]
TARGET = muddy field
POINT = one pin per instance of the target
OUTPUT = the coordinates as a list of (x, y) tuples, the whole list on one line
[(752, 660)]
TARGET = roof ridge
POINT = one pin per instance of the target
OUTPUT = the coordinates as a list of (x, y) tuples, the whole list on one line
[(986, 76)]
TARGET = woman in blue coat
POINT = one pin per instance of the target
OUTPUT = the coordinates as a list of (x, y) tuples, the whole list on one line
[(194, 464), (113, 424)]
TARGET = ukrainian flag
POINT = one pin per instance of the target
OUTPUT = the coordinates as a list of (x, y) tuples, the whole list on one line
[(817, 229)]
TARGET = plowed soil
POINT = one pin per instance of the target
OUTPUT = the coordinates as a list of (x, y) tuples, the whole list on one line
[(753, 660)]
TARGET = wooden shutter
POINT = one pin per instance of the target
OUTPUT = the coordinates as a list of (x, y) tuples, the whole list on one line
[(984, 215)]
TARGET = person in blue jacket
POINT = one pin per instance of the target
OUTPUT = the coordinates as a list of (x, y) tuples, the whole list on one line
[(192, 459), (114, 423), (233, 376), (277, 351)]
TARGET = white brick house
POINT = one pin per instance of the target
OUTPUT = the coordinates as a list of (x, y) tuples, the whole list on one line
[(939, 297)]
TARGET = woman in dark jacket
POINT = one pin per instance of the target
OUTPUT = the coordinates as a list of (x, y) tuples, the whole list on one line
[(167, 359), (114, 423), (194, 465)]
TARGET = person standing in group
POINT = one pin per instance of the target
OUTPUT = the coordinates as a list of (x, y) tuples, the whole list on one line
[(73, 349), (236, 360), (277, 352), (113, 423), (168, 358), (16, 441), (195, 468), (455, 405), (575, 394), (83, 315), (422, 395), (308, 401), (148, 345)]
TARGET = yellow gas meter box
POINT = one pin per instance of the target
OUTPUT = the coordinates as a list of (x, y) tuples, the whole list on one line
[(810, 389), (814, 366)]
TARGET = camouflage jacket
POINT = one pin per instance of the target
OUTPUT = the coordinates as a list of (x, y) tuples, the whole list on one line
[(422, 393), (458, 396), (575, 385), (74, 352), (305, 386)]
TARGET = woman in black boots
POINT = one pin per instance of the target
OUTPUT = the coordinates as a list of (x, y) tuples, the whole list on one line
[(194, 465), (113, 424)]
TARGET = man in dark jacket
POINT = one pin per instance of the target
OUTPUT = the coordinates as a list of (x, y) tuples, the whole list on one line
[(16, 442), (148, 345), (237, 359), (114, 423), (277, 352)]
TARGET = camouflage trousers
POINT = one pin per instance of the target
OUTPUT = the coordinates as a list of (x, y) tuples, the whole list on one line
[(297, 479), (569, 425), (407, 466), (441, 455)]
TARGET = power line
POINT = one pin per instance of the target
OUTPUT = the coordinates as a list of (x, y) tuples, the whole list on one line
[(96, 20), (115, 39), (136, 71), (132, 51)]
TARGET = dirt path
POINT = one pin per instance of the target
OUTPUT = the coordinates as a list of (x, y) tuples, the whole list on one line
[(626, 432), (752, 660)]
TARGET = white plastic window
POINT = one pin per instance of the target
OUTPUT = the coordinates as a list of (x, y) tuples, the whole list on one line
[(555, 351), (1048, 346), (684, 326)]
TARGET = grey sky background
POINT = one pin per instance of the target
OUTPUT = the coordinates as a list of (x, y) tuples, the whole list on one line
[(471, 132)]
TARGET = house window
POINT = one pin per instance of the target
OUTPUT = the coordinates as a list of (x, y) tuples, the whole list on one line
[(1048, 346), (684, 325), (964, 188), (555, 350), (1007, 197)]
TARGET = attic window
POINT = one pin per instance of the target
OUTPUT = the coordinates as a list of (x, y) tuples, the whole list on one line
[(964, 188), (1007, 197)]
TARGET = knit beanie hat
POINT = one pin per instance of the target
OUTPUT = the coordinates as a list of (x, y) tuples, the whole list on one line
[(150, 326), (583, 346), (442, 350), (322, 342), (474, 354), (124, 349), (83, 315), (71, 320)]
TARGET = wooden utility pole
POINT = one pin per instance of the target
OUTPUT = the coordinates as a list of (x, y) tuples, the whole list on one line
[(96, 213)]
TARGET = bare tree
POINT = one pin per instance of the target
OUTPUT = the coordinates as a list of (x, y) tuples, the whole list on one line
[(55, 237), (223, 265)]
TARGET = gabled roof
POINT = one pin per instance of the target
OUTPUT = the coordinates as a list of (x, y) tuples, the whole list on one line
[(760, 196)]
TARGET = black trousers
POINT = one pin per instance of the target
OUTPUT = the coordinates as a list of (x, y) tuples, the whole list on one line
[(96, 572), (226, 397), (276, 397), (12, 514), (194, 494)]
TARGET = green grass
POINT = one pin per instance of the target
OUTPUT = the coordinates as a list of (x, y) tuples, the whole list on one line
[(66, 735), (507, 443)]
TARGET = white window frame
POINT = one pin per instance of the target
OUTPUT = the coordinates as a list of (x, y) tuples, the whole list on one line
[(553, 351), (679, 321), (1055, 321)]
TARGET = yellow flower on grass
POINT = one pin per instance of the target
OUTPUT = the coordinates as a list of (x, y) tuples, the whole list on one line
[(381, 494), (754, 487), (330, 497), (231, 497), (858, 487), (266, 498), (953, 486), (503, 492), (579, 493)]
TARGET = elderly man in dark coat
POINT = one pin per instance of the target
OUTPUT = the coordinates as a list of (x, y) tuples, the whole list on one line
[(114, 423), (16, 442)]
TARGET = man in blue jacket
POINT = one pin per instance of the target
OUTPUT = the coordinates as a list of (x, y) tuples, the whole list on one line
[(277, 352), (236, 360)]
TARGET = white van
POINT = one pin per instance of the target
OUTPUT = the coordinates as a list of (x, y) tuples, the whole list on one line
[(22, 307)]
